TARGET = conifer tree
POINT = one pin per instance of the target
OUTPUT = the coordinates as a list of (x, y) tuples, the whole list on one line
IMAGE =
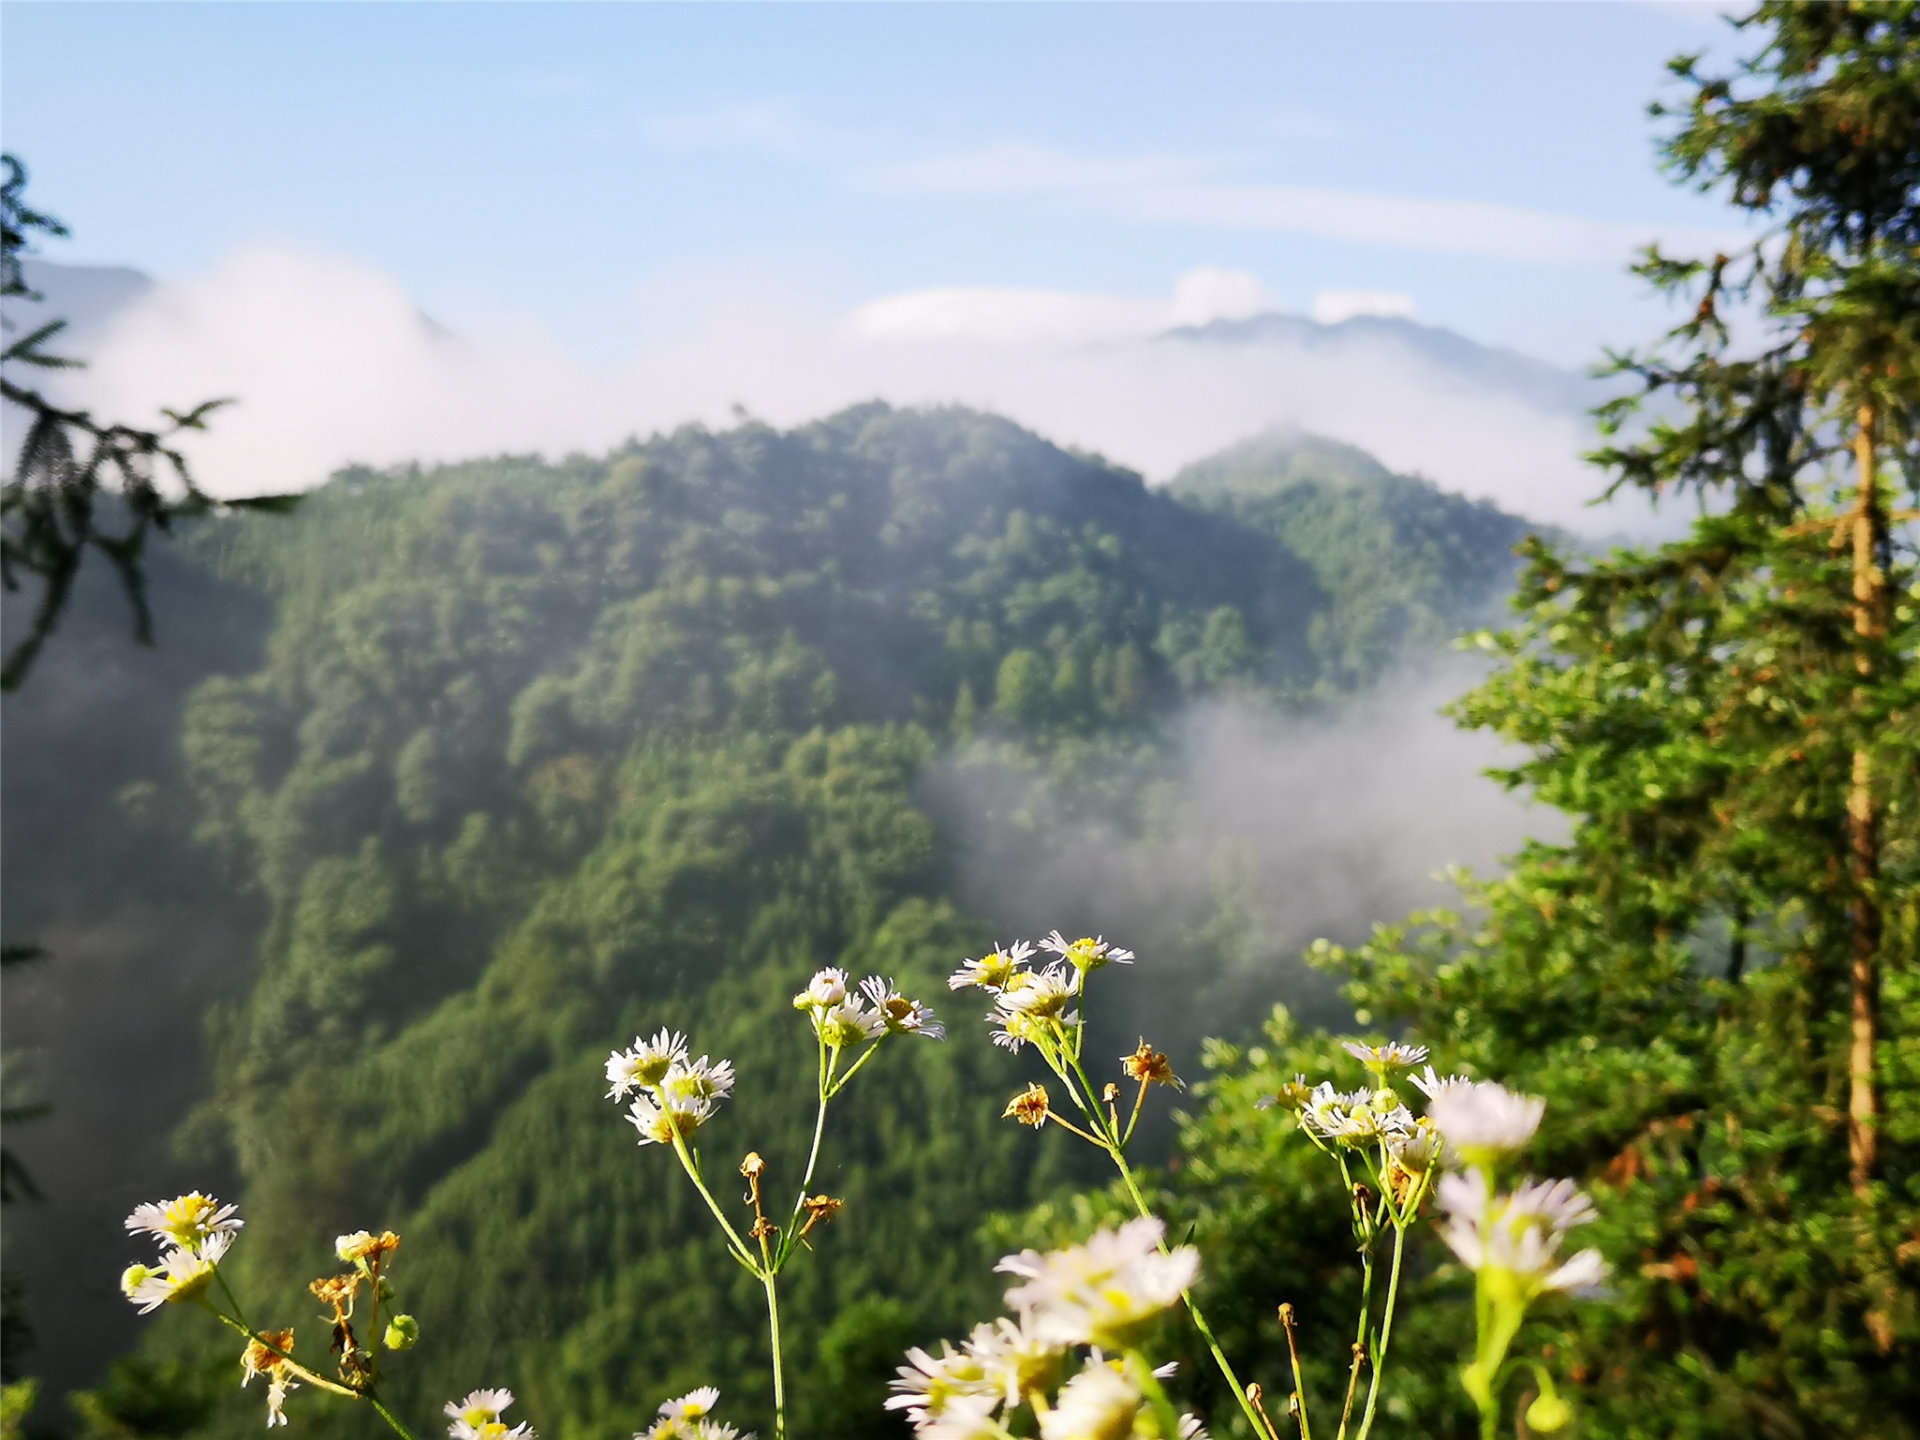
[(1712, 981)]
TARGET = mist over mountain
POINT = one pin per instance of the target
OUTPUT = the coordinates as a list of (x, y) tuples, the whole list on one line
[(442, 786), (334, 364), (1386, 338)]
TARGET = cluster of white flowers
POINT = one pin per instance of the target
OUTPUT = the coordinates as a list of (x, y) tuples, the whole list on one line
[(1356, 1117), (1098, 1295), (1034, 1004), (194, 1231), (688, 1417), (478, 1417), (677, 1095), (1516, 1236), (845, 1020)]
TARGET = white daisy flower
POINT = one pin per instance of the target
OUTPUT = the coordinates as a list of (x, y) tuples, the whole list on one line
[(1418, 1147), (992, 970), (900, 1015), (965, 1417), (1382, 1058), (644, 1063), (1353, 1117), (1017, 1363), (182, 1274), (1518, 1235), (828, 987), (1099, 1293), (1434, 1085), (1041, 994), (697, 1082), (1086, 954), (190, 1220), (1099, 1403), (693, 1404), (659, 1124), (847, 1024), (478, 1417), (927, 1386), (1485, 1122)]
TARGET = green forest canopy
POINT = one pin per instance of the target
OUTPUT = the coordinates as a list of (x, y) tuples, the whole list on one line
[(538, 755)]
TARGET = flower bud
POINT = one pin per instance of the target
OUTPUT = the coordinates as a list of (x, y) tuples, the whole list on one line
[(402, 1333), (1548, 1413)]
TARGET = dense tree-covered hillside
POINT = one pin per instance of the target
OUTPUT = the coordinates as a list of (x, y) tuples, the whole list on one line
[(540, 755)]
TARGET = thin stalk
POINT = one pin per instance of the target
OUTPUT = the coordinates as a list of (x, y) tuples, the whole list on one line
[(791, 1235), (1386, 1333), (779, 1378), (319, 1381), (834, 1087), (1139, 1104), (388, 1416), (1359, 1338), (1193, 1310), (1353, 1384), (734, 1242), (1299, 1382)]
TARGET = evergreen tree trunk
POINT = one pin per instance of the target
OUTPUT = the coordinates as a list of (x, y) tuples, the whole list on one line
[(1863, 825)]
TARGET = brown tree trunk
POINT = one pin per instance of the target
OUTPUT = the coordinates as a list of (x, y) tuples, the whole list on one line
[(1863, 826)]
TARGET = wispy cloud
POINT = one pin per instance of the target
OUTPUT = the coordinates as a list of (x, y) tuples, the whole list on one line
[(1330, 307), (1006, 315), (776, 127), (1206, 192), (1017, 168)]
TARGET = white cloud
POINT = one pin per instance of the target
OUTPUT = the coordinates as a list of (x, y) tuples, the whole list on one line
[(776, 127), (1330, 307), (1191, 190), (332, 364), (1032, 317)]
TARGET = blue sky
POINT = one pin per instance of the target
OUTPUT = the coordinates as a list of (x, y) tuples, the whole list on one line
[(572, 161)]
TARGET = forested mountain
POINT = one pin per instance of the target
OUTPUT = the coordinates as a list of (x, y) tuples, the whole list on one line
[(534, 756), (1399, 563)]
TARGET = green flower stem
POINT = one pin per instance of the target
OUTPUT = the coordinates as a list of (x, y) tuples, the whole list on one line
[(791, 1235), (1386, 1333), (1193, 1310), (734, 1242), (834, 1087), (770, 1280), (1359, 1336), (1156, 1394), (388, 1416), (318, 1381)]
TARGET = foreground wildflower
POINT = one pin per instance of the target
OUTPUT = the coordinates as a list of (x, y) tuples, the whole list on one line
[(686, 1417), (190, 1221), (644, 1063), (1515, 1238), (1086, 955), (270, 1356), (363, 1247), (991, 971), (182, 1274), (478, 1417), (1382, 1058), (1103, 1292), (1100, 1403), (1485, 1123), (900, 1015)]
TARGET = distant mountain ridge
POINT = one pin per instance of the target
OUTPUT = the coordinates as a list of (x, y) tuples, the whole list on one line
[(1541, 384)]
